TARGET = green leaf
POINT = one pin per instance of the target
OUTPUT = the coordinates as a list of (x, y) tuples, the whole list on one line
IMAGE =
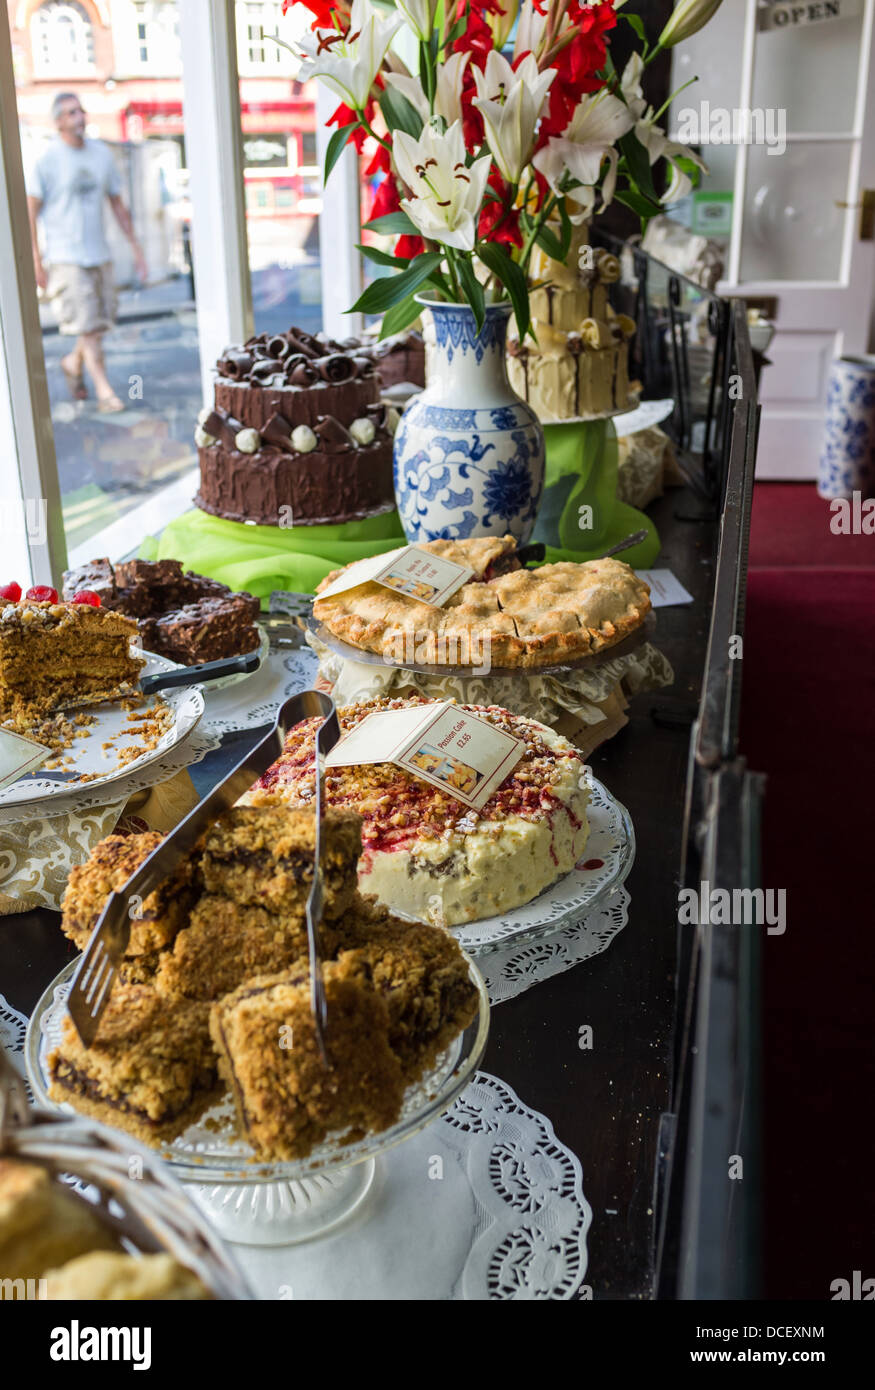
[(549, 242), (567, 230), (638, 203), (399, 113), (383, 258), (638, 161), (401, 316), (336, 146), (637, 24), (473, 290), (689, 167), (393, 224), (513, 279), (391, 289)]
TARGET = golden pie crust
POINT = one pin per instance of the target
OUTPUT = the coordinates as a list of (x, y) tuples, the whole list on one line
[(528, 618)]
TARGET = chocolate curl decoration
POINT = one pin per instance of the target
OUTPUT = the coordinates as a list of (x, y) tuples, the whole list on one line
[(334, 437), (215, 423), (300, 371), (236, 365), (278, 431), (377, 412), (349, 344), (229, 430), (337, 367), (267, 369), (363, 366), (303, 343), (259, 340), (278, 346)]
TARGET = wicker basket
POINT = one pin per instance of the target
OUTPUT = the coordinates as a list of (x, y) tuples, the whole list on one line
[(123, 1183)]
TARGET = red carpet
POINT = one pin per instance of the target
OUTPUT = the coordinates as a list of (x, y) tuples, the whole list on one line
[(808, 721)]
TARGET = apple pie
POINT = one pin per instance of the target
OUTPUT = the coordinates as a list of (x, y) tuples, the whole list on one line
[(518, 617)]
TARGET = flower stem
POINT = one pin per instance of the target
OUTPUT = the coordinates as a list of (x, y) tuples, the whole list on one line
[(369, 130), (454, 279)]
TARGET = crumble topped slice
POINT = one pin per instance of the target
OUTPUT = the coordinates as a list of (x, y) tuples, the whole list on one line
[(263, 856), (287, 1100), (155, 922), (226, 944), (151, 1069), (428, 856)]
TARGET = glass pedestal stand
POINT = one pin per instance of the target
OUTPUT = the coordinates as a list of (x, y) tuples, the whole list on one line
[(580, 516), (286, 1212)]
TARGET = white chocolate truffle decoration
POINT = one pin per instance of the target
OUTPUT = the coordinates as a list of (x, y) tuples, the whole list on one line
[(247, 441), (303, 439), (202, 439), (393, 419), (363, 431)]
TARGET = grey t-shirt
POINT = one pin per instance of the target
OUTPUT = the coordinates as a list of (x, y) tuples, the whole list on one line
[(73, 184)]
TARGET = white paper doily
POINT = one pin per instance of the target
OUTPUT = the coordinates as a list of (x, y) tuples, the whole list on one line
[(485, 1204), (512, 971), (196, 747), (13, 1028), (285, 672)]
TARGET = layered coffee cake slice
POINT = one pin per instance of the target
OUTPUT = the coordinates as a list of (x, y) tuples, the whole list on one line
[(263, 856), (151, 1069), (287, 1100), (57, 655)]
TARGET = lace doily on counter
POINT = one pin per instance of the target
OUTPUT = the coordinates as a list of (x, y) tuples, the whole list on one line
[(512, 971)]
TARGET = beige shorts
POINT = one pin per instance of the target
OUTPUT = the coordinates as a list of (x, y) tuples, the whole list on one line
[(84, 297)]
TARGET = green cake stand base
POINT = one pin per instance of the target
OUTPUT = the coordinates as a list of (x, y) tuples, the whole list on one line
[(580, 516)]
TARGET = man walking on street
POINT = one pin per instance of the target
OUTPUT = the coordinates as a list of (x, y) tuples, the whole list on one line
[(67, 188)]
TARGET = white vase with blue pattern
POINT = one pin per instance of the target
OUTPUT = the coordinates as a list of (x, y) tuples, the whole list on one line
[(847, 454), (469, 453)]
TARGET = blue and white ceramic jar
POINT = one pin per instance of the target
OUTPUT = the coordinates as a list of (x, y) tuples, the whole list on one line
[(847, 455), (469, 453)]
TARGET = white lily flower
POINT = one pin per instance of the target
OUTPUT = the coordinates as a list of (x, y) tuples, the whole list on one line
[(681, 184), (630, 85), (588, 139), (510, 103), (530, 29), (419, 15), (689, 16), (445, 194), (448, 96), (348, 64)]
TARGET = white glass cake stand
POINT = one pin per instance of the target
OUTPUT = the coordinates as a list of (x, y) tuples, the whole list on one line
[(255, 1203)]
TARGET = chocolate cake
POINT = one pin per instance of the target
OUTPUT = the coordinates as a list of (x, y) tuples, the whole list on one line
[(297, 435), (400, 359), (182, 616)]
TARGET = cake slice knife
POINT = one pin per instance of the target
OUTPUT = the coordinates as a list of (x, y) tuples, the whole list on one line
[(98, 968)]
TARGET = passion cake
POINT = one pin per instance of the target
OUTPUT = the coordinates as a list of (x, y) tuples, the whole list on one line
[(297, 434), (507, 615), (579, 366), (55, 655), (425, 854)]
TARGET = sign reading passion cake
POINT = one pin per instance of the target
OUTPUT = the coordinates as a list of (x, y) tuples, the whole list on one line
[(297, 434)]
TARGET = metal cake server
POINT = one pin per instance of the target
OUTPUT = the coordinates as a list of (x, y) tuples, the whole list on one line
[(98, 968)]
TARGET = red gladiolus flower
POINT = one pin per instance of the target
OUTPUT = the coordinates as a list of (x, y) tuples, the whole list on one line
[(409, 246), (499, 221), (578, 64), (323, 12), (386, 199)]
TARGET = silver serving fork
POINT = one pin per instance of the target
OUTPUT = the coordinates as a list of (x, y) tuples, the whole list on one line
[(98, 968)]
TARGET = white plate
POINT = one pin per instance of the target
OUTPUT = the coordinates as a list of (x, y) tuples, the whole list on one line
[(186, 704), (610, 850), (643, 417), (225, 682)]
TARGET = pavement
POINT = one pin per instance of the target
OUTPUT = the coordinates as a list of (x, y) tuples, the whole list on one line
[(108, 464)]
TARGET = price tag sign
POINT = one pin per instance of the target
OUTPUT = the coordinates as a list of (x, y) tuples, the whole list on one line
[(438, 743), (19, 756), (410, 571)]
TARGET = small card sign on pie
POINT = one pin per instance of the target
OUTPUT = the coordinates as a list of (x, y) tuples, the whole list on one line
[(416, 573), (439, 743), (19, 756)]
